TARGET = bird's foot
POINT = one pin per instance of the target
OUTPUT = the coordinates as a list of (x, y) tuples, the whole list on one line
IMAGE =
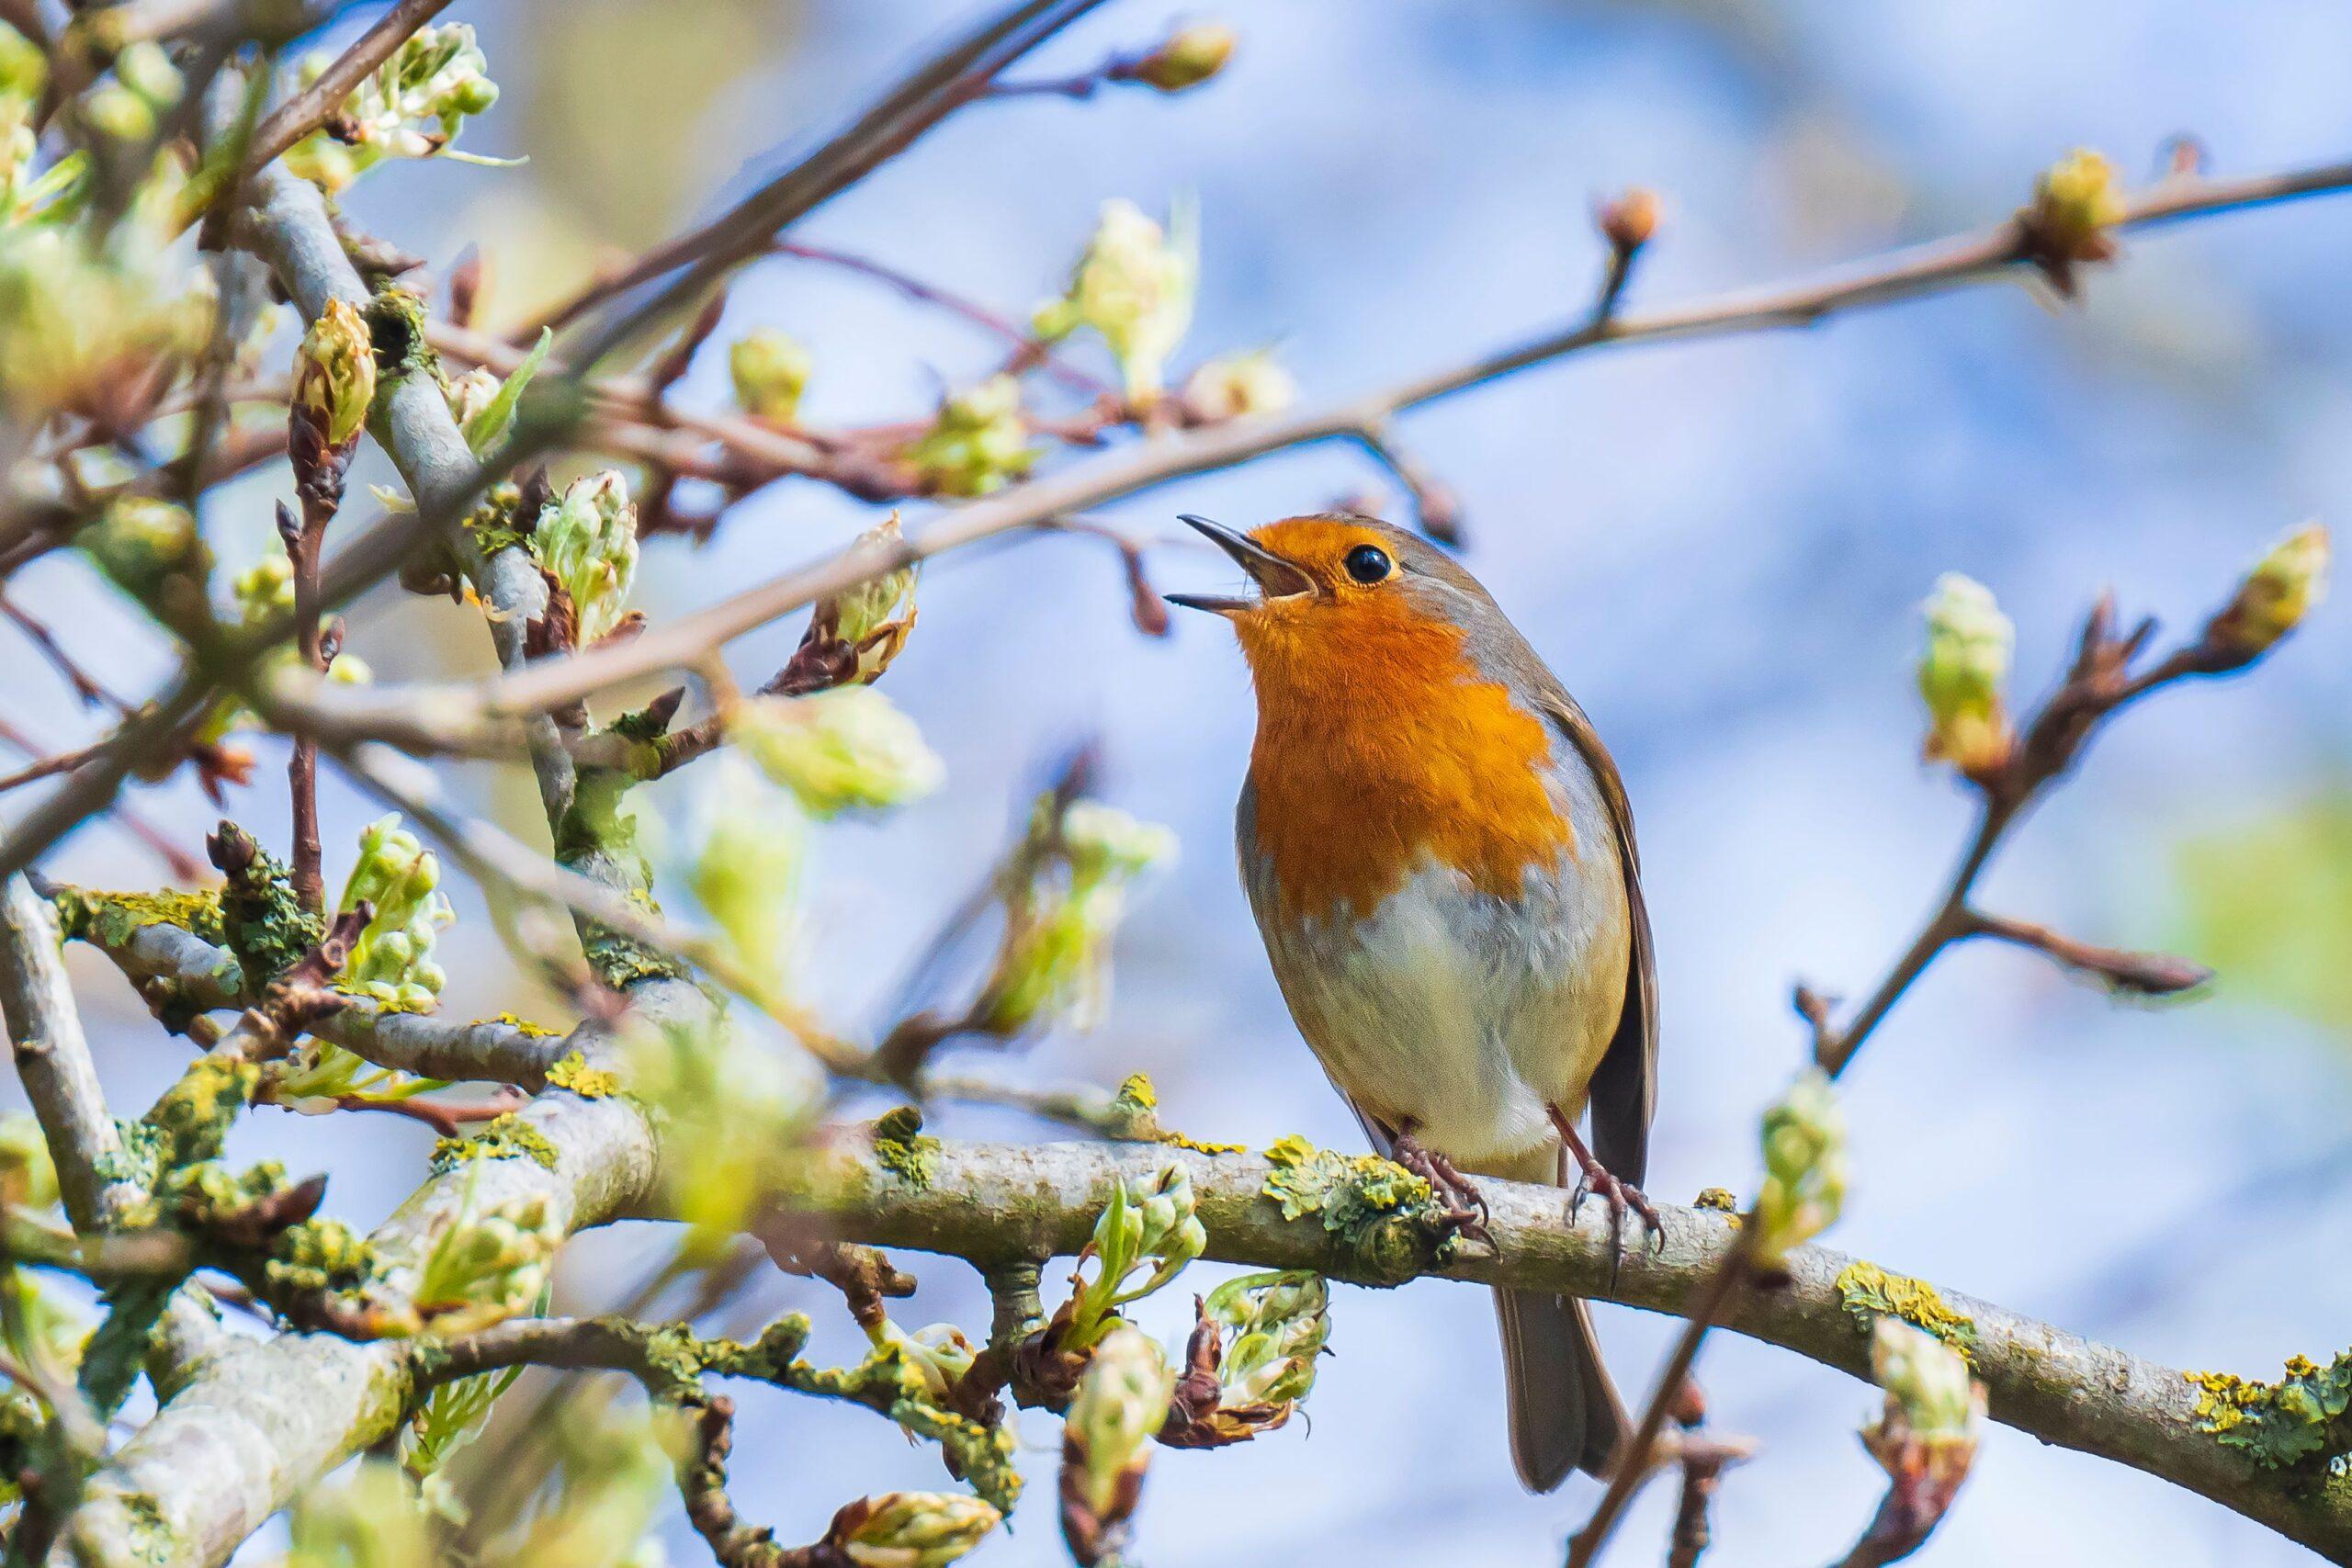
[(1464, 1207), (1595, 1179)]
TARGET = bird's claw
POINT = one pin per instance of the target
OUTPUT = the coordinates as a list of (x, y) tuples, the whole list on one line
[(1596, 1180), (1464, 1207)]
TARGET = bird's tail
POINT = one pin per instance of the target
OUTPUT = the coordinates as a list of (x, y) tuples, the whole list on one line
[(1565, 1413)]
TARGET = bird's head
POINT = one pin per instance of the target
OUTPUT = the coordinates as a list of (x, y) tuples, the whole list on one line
[(1338, 598)]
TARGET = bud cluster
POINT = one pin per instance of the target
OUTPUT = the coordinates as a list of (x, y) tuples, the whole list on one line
[(1134, 287), (488, 1265), (838, 750), (1064, 892), (1961, 676), (410, 106), (1252, 1358), (978, 441), (1926, 1436), (1149, 1222), (399, 880), (586, 540), (1805, 1168), (910, 1530)]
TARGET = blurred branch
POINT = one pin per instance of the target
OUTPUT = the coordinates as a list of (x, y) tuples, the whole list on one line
[(1990, 255), (919, 101), (54, 1058)]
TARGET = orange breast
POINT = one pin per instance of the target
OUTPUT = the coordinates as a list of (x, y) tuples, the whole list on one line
[(1379, 744)]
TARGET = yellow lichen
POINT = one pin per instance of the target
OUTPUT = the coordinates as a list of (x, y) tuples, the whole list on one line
[(1870, 1293), (572, 1072)]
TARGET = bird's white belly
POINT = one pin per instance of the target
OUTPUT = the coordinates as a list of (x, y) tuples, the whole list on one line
[(1465, 1014)]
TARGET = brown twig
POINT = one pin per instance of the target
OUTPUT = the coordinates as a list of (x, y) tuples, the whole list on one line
[(1967, 259), (2099, 684), (1028, 350), (307, 110), (922, 100)]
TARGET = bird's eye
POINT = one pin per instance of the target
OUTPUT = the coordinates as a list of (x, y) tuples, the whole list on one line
[(1368, 563)]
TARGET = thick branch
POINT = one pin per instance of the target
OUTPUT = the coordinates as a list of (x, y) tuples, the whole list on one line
[(54, 1058), (993, 1204)]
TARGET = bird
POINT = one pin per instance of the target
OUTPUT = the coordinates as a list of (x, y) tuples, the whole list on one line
[(1440, 855)]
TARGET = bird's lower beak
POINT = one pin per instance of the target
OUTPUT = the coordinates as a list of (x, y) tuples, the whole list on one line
[(1275, 577)]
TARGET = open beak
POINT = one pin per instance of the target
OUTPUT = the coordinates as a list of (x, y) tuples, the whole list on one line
[(1275, 577)]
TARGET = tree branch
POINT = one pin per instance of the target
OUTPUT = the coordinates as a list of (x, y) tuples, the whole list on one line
[(1989, 255), (995, 1203)]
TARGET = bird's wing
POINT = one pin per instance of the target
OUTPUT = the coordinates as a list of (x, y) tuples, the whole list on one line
[(1624, 1086)]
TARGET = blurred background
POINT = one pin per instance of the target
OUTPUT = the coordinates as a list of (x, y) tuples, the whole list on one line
[(1720, 546)]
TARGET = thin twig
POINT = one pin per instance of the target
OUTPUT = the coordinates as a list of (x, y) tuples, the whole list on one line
[(1968, 259)]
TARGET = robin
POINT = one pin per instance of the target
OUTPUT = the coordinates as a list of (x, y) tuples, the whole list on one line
[(1441, 859)]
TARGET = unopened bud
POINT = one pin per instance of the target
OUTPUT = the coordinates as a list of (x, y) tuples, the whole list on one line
[(978, 440), (470, 393), (1121, 1402), (2274, 597), (28, 1176), (1960, 675), (145, 544), (1927, 1433), (2077, 204), (1629, 219), (1805, 1168), (939, 1353), (1135, 287), (838, 750), (911, 1529), (1191, 56), (334, 373), (872, 620), (1233, 386), (770, 370), (588, 540)]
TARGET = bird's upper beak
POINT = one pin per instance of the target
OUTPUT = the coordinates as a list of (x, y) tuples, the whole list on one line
[(1275, 577)]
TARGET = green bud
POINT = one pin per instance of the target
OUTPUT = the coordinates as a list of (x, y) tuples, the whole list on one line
[(747, 872), (334, 373), (588, 539), (399, 879), (1151, 1220), (1805, 1167), (1189, 57), (1233, 386), (1135, 287), (370, 1519), (2274, 596), (1961, 676), (24, 68), (2075, 200), (264, 590), (838, 750), (1122, 1401), (770, 370), (1064, 893), (875, 616), (911, 1529), (1276, 1325), (145, 544), (27, 1176), (95, 321), (487, 1266), (978, 440), (1926, 1379), (471, 393), (733, 1113)]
